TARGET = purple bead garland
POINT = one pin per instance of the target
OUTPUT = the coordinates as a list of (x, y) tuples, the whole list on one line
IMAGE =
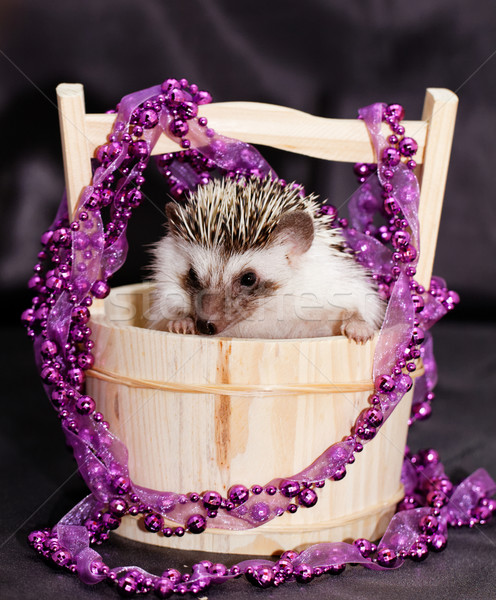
[(75, 263)]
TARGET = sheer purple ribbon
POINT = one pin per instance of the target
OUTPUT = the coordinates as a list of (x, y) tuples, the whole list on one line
[(101, 456)]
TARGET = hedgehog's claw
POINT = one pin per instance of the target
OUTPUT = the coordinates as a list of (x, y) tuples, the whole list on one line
[(185, 326), (356, 329)]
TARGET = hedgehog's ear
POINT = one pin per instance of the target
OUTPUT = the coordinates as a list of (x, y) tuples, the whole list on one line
[(295, 229), (171, 211)]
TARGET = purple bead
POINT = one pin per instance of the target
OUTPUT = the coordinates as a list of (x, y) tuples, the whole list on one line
[(419, 551), (391, 206), (128, 584), (85, 405), (289, 488), (303, 573), (428, 524), (373, 416), (261, 576), (170, 84), (61, 557), (438, 542), (307, 497), (408, 146), (400, 239), (202, 97), (172, 575), (100, 289), (118, 507), (148, 119), (391, 156), (76, 377), (110, 521), (409, 254), (418, 336), (386, 557), (196, 524), (50, 375), (163, 587), (179, 128), (188, 110), (384, 383), (121, 484), (260, 512), (238, 494), (396, 111), (365, 546), (429, 457), (421, 411), (212, 500), (339, 474), (49, 348)]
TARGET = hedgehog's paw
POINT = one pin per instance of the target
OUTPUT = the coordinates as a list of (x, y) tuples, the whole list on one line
[(356, 329), (186, 325)]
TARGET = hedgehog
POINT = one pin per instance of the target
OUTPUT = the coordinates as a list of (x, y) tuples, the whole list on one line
[(257, 258)]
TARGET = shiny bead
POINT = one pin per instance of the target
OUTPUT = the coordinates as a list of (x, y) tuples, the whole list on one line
[(110, 521), (365, 547), (153, 522), (148, 119), (408, 146), (120, 484), (100, 289), (307, 497), (128, 584), (212, 500), (178, 128), (163, 588), (428, 524), (438, 542), (339, 474), (384, 383), (238, 494), (373, 416), (196, 524), (260, 512), (391, 156), (118, 507), (85, 405), (386, 557), (391, 206), (261, 576), (289, 488), (61, 557), (303, 573), (396, 111)]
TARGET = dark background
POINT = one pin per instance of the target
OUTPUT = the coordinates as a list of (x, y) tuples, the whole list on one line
[(322, 56)]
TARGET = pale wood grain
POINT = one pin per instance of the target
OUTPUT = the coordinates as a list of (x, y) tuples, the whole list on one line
[(192, 442), (76, 150), (439, 113), (344, 140)]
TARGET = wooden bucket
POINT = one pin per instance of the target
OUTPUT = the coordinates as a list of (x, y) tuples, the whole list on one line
[(185, 408)]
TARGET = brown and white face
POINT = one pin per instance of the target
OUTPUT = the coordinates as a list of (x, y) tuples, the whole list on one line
[(225, 288)]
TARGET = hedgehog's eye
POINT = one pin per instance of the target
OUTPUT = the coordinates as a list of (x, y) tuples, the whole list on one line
[(193, 278), (248, 279)]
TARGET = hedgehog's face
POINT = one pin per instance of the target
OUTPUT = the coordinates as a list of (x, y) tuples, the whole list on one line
[(226, 288)]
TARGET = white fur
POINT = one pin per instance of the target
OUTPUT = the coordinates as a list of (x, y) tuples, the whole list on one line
[(321, 292)]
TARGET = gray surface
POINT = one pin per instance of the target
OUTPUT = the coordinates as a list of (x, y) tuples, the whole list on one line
[(325, 57)]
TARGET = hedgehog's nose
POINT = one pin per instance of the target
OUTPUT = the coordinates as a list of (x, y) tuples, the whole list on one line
[(206, 327)]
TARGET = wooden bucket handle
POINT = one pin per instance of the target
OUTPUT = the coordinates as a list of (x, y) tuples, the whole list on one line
[(343, 140)]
